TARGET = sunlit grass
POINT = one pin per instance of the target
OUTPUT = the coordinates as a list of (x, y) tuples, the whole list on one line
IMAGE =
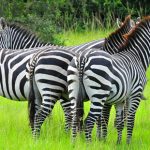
[(15, 132)]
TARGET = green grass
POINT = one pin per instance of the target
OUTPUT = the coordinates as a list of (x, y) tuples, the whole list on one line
[(76, 38), (15, 132)]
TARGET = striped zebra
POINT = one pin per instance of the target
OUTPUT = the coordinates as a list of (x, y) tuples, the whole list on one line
[(14, 84), (111, 46), (16, 37), (117, 79), (43, 74)]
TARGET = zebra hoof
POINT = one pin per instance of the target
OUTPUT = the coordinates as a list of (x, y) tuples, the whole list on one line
[(118, 142), (104, 139), (99, 137), (36, 135), (88, 141), (128, 141), (73, 140)]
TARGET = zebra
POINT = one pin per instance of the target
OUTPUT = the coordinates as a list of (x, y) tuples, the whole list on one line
[(38, 79), (111, 45), (14, 84), (111, 79), (15, 37)]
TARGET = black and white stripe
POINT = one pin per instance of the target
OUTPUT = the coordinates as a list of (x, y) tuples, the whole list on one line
[(111, 79)]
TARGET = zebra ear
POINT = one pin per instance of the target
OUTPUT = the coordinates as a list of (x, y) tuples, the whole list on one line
[(132, 23), (125, 36), (119, 23), (138, 19), (3, 23)]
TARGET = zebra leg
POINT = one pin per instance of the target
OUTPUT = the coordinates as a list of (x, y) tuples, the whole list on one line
[(45, 109), (119, 120), (34, 103), (102, 122), (89, 124), (77, 118), (131, 116), (99, 121), (105, 119), (94, 114), (37, 108), (74, 122), (125, 111), (66, 106), (98, 97)]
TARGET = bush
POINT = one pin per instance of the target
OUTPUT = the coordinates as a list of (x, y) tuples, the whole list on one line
[(49, 17)]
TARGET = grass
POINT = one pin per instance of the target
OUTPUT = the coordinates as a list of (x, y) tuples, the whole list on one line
[(76, 38), (15, 132)]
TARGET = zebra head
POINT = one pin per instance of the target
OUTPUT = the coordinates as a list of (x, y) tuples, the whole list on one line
[(3, 24), (138, 19)]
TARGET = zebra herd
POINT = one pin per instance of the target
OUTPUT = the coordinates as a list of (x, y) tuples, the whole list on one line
[(108, 72)]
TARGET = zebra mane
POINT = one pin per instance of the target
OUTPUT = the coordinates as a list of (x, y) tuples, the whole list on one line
[(25, 31), (119, 30), (132, 34)]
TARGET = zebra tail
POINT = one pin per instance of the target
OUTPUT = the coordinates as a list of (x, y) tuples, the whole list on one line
[(80, 106), (31, 99), (31, 104), (81, 93)]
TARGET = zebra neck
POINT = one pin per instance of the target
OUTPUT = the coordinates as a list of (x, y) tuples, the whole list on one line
[(141, 49), (19, 38), (113, 42)]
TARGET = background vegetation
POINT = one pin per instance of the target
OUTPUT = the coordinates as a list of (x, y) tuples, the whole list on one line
[(49, 17)]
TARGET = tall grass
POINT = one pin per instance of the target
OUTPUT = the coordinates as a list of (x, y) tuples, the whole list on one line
[(15, 132)]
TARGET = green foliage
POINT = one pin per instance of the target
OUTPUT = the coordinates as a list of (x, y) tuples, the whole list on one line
[(50, 17)]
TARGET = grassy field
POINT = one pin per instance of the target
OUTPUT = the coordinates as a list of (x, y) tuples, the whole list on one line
[(15, 132)]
